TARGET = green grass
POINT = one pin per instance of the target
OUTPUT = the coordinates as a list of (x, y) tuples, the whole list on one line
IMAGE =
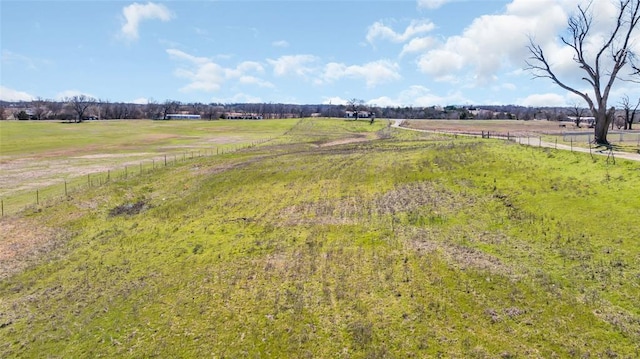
[(45, 138), (407, 245), (38, 157)]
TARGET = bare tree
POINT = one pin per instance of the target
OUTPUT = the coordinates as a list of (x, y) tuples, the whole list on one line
[(577, 113), (39, 108), (602, 70), (355, 105), (168, 107), (55, 108), (79, 104), (629, 112)]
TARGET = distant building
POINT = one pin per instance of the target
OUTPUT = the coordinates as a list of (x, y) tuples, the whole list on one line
[(242, 116), (358, 114), (182, 116)]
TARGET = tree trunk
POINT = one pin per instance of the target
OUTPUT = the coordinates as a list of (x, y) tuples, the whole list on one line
[(603, 119)]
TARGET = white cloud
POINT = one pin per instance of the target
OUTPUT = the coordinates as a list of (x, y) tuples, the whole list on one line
[(300, 65), (419, 96), (379, 30), (206, 75), (141, 101), (280, 43), (135, 13), (543, 100), (432, 4), (8, 94), (492, 42), (373, 73), (495, 43), (418, 44)]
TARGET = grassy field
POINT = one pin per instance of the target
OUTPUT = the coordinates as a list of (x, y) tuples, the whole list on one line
[(548, 131), (44, 155), (337, 239)]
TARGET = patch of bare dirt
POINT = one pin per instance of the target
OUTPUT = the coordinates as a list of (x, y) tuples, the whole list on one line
[(344, 141), (23, 242)]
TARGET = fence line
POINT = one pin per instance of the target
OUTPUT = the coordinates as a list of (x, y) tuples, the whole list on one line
[(63, 190)]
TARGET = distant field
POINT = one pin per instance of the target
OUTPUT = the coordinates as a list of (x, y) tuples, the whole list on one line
[(335, 239), (549, 131), (517, 128), (37, 154)]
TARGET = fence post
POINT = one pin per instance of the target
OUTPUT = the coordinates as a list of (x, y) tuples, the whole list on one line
[(165, 160), (66, 194), (37, 196), (572, 144), (2, 206)]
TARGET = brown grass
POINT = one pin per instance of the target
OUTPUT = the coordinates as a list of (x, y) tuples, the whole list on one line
[(513, 127), (23, 242)]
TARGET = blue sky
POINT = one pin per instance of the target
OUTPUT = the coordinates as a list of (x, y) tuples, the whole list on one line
[(388, 53)]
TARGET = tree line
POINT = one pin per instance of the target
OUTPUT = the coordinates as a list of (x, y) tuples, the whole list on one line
[(83, 108)]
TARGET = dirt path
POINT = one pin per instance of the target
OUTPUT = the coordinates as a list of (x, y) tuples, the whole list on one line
[(535, 141)]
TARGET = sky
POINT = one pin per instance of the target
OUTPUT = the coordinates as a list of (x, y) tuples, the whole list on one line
[(386, 53)]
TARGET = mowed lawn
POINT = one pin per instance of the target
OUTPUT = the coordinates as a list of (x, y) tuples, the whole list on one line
[(336, 239)]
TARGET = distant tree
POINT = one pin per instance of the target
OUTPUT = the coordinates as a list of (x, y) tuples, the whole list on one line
[(354, 105), (629, 112), (3, 113), (578, 113), (153, 110), (168, 107), (39, 108), (198, 108), (601, 70), (55, 108), (79, 104), (22, 115)]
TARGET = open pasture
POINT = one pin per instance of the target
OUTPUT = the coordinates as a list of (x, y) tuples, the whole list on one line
[(338, 239), (39, 154), (499, 127)]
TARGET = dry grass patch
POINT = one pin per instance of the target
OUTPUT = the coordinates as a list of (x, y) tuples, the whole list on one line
[(430, 240), (23, 242)]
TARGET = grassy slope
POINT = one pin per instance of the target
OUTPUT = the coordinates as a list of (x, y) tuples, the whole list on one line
[(404, 246)]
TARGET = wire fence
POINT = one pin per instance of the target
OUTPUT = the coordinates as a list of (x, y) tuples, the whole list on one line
[(65, 188), (619, 137)]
